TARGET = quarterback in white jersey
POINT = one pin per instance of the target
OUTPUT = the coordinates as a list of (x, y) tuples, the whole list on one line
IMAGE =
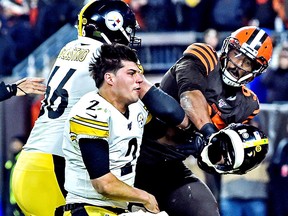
[(38, 177), (123, 135), (104, 131)]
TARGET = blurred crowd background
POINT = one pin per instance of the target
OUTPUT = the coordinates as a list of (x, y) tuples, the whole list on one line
[(31, 32)]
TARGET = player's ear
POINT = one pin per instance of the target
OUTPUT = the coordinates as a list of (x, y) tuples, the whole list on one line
[(109, 78)]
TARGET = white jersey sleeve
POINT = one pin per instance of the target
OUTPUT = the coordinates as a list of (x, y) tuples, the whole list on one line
[(68, 80), (93, 117)]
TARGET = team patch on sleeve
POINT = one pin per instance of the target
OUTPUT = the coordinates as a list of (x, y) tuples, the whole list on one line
[(88, 127)]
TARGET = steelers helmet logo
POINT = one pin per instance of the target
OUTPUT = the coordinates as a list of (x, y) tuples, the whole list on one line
[(114, 20)]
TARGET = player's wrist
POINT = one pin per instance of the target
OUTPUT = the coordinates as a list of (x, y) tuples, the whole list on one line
[(208, 129), (12, 89)]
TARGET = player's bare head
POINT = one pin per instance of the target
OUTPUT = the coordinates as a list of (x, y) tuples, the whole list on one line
[(109, 59)]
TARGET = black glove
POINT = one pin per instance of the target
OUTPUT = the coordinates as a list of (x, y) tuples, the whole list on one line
[(193, 145), (186, 147), (193, 141), (207, 130)]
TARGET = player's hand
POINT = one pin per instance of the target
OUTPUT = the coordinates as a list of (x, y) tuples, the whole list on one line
[(194, 144), (33, 85), (152, 205)]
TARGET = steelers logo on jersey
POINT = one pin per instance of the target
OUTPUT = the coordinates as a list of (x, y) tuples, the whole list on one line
[(114, 20), (140, 120)]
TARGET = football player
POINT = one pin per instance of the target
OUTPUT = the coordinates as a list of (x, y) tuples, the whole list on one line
[(103, 134), (38, 178), (213, 94)]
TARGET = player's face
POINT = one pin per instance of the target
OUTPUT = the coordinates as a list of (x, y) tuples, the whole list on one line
[(127, 82), (238, 65)]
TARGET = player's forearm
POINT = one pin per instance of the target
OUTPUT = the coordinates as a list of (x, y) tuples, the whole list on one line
[(165, 107), (195, 107), (111, 187)]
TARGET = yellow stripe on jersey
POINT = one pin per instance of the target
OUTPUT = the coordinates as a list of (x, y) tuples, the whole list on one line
[(91, 121), (84, 126)]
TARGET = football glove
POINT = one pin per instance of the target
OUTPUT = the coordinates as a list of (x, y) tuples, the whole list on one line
[(194, 144)]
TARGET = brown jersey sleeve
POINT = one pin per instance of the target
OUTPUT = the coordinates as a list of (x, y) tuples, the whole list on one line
[(205, 53), (192, 70)]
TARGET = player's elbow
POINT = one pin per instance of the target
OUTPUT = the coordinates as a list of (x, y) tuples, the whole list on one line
[(104, 184), (102, 188)]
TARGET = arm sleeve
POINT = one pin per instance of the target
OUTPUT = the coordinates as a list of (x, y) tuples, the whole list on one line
[(5, 93), (163, 106), (95, 154)]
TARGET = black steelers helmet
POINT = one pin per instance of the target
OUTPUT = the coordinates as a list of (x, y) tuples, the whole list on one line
[(242, 146), (110, 21)]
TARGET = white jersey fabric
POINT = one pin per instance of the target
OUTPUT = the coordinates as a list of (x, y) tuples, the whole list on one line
[(93, 117), (68, 80)]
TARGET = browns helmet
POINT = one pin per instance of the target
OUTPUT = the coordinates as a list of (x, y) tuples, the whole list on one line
[(254, 43)]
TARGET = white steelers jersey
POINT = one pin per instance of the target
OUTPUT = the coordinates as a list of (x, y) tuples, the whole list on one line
[(69, 79), (93, 117)]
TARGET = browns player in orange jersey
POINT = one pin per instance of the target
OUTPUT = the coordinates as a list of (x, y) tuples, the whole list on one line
[(212, 92)]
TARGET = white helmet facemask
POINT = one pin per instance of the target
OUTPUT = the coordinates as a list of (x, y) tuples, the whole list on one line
[(234, 156), (230, 76)]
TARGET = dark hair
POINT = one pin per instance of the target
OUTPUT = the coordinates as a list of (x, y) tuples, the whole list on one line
[(109, 59)]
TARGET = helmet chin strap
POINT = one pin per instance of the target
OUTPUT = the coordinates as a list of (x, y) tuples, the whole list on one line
[(242, 79), (230, 80)]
